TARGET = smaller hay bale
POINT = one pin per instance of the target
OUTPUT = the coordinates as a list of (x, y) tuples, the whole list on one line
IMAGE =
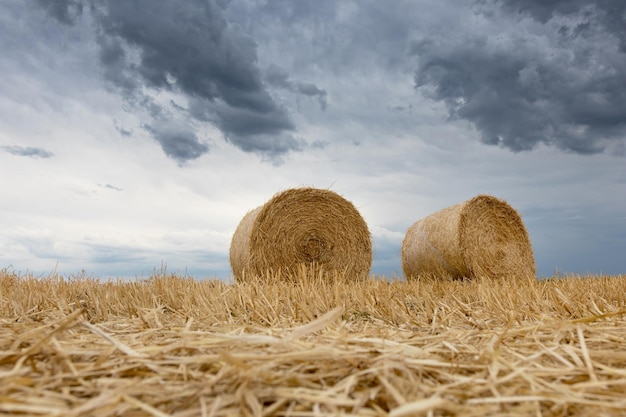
[(302, 227), (481, 237)]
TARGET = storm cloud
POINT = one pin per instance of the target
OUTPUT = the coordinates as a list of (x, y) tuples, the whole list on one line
[(608, 14), (553, 75), (190, 51), (390, 104), (280, 78), (177, 141), (65, 11)]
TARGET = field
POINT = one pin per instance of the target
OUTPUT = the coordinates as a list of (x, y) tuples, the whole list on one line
[(174, 346)]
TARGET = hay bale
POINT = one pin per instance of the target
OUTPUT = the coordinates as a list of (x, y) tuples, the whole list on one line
[(481, 237), (302, 227)]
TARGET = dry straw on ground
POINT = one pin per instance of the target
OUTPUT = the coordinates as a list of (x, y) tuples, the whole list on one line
[(302, 227), (481, 237), (178, 347)]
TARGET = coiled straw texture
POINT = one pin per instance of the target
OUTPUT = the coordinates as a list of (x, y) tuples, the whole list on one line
[(481, 237), (302, 228)]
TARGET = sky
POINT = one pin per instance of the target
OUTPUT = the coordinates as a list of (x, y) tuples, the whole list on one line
[(135, 135)]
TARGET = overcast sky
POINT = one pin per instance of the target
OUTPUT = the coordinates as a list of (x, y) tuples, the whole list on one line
[(137, 134)]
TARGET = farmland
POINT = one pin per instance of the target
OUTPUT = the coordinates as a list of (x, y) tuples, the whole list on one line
[(175, 346)]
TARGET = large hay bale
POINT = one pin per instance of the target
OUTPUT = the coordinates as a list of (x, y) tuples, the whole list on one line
[(302, 227), (481, 237)]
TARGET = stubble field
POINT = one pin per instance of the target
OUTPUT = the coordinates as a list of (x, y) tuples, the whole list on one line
[(174, 346)]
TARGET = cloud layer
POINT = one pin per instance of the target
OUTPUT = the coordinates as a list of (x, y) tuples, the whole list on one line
[(523, 72), (136, 133), (190, 51), (556, 78)]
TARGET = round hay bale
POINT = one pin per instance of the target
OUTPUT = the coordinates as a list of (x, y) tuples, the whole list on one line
[(309, 227), (481, 237)]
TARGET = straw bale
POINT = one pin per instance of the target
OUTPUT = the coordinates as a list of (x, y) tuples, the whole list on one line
[(481, 237), (302, 227)]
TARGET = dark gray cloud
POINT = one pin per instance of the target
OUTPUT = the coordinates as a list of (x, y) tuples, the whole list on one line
[(28, 151), (559, 82), (185, 48), (609, 14), (65, 11), (177, 141), (280, 78), (238, 125)]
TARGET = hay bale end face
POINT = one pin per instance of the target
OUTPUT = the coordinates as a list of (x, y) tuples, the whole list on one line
[(481, 237), (309, 227)]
